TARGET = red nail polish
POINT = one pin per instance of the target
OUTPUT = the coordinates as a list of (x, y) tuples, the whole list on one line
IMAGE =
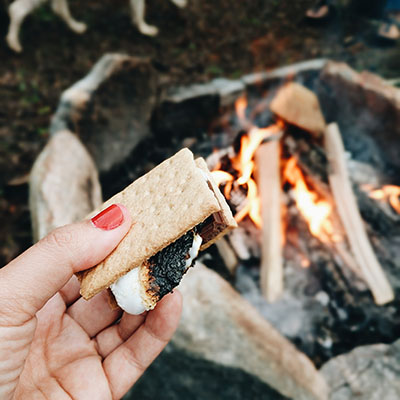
[(110, 218)]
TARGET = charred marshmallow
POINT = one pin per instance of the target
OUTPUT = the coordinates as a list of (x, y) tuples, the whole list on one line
[(133, 291)]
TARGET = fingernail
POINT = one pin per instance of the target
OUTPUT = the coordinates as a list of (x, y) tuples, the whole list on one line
[(110, 218)]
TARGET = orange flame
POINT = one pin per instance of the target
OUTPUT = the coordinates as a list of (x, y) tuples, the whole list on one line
[(244, 165), (316, 212), (249, 144), (221, 177), (389, 193), (253, 206)]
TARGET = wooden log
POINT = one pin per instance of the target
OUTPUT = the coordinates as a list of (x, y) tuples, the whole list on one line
[(228, 255), (269, 185), (299, 106), (351, 219)]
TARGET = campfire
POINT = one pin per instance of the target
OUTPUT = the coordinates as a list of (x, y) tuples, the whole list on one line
[(335, 220)]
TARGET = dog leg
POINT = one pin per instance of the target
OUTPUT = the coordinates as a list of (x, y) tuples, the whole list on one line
[(137, 10), (180, 3), (60, 7), (18, 11)]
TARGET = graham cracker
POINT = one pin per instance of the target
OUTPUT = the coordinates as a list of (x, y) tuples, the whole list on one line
[(164, 204), (225, 211)]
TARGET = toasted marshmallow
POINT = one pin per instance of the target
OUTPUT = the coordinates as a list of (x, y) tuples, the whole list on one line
[(128, 292), (194, 250), (132, 291)]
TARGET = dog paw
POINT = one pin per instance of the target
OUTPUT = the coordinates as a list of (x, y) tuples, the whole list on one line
[(14, 44), (78, 27), (180, 3), (148, 30)]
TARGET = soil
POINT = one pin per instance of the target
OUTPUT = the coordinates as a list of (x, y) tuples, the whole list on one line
[(207, 39)]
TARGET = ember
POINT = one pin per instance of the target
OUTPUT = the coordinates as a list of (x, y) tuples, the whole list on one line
[(389, 193)]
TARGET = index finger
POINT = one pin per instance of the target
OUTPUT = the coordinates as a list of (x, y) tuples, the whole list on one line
[(37, 274)]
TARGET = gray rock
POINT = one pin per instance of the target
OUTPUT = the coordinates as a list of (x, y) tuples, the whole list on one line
[(220, 326), (178, 375), (260, 78), (229, 90), (367, 109), (366, 373), (64, 185), (226, 89), (110, 108)]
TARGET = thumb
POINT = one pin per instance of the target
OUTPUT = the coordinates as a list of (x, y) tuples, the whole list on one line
[(37, 274)]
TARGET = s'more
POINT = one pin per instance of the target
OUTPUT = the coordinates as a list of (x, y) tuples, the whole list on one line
[(177, 210)]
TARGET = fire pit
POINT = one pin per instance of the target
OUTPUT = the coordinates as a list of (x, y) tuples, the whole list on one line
[(316, 252), (321, 271)]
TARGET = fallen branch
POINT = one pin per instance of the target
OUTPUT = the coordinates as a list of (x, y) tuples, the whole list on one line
[(351, 218), (269, 185)]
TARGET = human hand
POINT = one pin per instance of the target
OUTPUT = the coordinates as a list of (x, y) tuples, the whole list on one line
[(56, 345)]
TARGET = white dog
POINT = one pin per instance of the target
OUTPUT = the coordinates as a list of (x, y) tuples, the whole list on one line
[(20, 9)]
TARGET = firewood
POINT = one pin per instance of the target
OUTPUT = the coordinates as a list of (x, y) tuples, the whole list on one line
[(299, 106), (351, 219), (228, 255), (269, 184)]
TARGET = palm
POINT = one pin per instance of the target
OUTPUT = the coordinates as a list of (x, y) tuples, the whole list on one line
[(54, 344), (76, 348), (63, 360)]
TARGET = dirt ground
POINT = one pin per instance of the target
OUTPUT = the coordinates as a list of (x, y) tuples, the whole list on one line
[(207, 39)]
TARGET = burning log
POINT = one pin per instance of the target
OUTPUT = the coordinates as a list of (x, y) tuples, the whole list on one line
[(351, 218), (269, 185)]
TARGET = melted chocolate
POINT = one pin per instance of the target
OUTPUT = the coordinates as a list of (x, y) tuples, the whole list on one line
[(211, 227)]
